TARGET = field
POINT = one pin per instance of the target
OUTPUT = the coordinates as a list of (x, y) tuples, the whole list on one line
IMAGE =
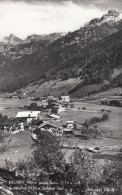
[(11, 107), (111, 140), (112, 127), (20, 146)]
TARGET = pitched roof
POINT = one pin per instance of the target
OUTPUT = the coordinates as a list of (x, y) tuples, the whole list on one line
[(65, 96), (67, 130), (27, 114), (44, 124), (55, 116), (37, 130), (70, 122)]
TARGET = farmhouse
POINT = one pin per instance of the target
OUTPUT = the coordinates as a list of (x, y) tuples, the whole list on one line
[(44, 103), (55, 117), (67, 132), (15, 97), (51, 97), (47, 127), (61, 108), (65, 99), (71, 124), (29, 115)]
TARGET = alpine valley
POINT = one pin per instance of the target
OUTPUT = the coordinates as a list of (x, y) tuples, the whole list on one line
[(78, 63)]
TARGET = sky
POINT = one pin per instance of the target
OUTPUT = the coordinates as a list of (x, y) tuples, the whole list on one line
[(27, 17)]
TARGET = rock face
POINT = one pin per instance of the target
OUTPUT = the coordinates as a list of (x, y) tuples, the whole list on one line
[(47, 39), (113, 13), (14, 47), (94, 30), (12, 39), (90, 53)]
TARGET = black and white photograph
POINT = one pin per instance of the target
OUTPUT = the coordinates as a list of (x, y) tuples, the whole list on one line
[(60, 97)]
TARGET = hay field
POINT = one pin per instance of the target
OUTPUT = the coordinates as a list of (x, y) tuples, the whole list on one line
[(19, 147), (11, 107)]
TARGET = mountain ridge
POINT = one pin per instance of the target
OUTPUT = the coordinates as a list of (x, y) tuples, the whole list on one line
[(91, 53)]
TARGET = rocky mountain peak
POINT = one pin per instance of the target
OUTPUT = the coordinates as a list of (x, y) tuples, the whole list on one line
[(111, 15), (48, 37), (12, 36), (12, 39), (113, 12)]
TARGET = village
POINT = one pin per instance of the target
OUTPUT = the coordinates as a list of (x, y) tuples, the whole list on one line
[(62, 116), (78, 124), (44, 115)]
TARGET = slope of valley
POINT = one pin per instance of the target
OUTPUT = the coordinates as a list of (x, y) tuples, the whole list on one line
[(91, 54)]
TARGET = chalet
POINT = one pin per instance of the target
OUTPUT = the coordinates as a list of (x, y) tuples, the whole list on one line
[(67, 132), (71, 124), (44, 102), (61, 108), (29, 115), (55, 117), (65, 99), (46, 127), (15, 97), (13, 125), (51, 97)]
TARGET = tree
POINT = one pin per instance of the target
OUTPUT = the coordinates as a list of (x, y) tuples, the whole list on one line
[(86, 170), (104, 117), (3, 118), (48, 152), (47, 157), (2, 145), (33, 106), (112, 174)]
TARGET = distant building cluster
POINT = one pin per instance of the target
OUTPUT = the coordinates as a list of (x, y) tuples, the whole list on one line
[(42, 115)]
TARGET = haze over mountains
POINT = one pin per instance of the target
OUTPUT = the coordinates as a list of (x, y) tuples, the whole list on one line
[(91, 55)]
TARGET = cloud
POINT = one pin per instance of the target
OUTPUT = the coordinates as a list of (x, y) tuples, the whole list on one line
[(25, 17), (102, 4)]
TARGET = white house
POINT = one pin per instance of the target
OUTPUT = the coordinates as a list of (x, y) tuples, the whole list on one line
[(15, 97), (61, 109), (55, 116), (71, 124), (65, 99), (44, 103), (29, 115)]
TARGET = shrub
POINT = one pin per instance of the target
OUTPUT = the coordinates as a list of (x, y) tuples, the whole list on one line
[(84, 108), (95, 120), (104, 117), (115, 103), (102, 110)]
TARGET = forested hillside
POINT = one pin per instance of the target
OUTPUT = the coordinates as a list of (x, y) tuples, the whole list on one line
[(92, 53)]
